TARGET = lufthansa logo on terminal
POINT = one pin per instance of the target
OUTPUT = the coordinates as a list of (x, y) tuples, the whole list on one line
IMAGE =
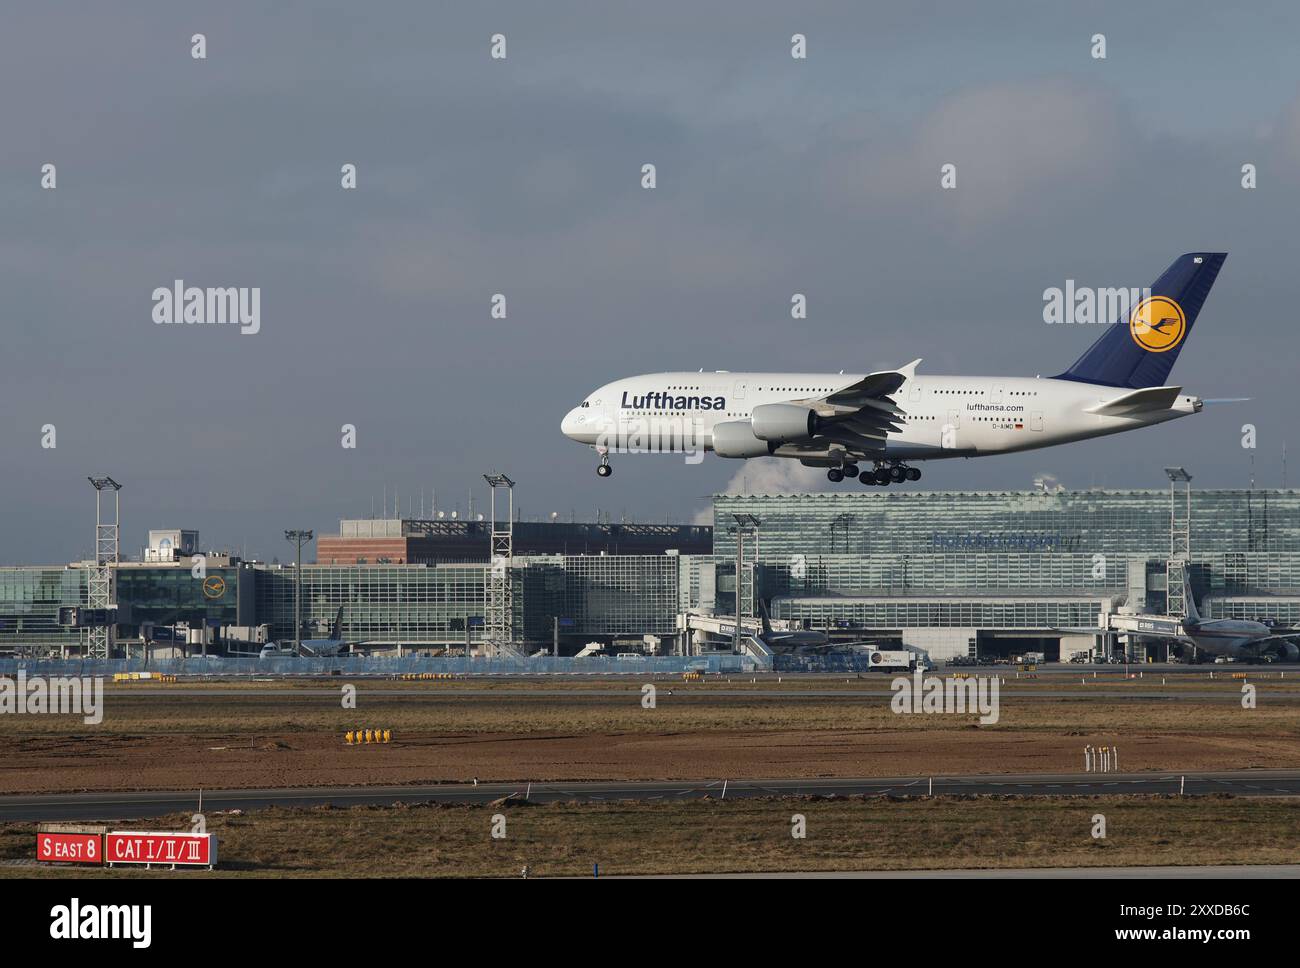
[(1157, 324), (214, 586)]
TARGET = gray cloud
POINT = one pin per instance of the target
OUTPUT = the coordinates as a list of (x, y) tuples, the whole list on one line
[(523, 178)]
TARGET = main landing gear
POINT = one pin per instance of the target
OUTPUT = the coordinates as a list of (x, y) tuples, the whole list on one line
[(882, 474)]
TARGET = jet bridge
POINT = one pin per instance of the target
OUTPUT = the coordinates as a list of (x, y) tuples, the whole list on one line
[(725, 627)]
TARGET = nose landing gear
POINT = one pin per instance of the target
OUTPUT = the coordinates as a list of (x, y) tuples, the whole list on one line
[(604, 470)]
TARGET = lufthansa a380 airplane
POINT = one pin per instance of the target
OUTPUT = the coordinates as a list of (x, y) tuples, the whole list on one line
[(894, 418)]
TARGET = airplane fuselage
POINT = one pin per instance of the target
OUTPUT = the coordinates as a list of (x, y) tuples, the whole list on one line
[(942, 416), (1226, 636)]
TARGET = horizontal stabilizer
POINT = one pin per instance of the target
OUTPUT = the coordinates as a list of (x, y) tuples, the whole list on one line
[(1146, 400)]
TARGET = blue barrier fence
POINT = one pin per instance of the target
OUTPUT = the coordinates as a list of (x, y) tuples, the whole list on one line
[(824, 663), (286, 666)]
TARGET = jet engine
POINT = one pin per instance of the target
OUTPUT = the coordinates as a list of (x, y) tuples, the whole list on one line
[(735, 438), (1286, 651), (782, 423)]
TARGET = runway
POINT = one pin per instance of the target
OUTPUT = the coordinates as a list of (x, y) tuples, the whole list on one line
[(136, 805)]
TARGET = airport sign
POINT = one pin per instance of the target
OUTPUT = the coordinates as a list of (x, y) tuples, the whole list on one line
[(70, 848), (145, 847)]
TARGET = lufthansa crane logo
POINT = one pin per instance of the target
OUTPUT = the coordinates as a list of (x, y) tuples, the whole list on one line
[(1157, 324), (214, 586)]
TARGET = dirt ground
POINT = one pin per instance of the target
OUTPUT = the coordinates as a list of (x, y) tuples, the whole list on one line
[(184, 742)]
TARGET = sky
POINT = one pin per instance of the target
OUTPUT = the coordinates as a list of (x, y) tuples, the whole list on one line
[(522, 176)]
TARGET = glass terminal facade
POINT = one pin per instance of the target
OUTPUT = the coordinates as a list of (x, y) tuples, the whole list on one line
[(892, 523), (30, 599), (956, 564)]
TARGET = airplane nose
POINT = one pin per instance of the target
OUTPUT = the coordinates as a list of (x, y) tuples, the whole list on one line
[(569, 425)]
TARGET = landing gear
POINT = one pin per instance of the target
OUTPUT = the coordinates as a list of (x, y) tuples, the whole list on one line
[(881, 475), (885, 474), (604, 470)]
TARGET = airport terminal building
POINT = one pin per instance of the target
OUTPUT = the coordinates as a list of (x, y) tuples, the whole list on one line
[(998, 571), (947, 573)]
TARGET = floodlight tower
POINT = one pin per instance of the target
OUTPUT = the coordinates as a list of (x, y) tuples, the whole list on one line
[(99, 581), (746, 524), (299, 538), (499, 601), (1180, 540)]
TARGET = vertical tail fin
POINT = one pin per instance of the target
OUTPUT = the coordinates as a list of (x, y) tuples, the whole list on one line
[(336, 630), (762, 608), (1140, 349), (1193, 614)]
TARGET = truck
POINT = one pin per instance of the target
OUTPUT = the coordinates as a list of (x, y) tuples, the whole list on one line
[(892, 660)]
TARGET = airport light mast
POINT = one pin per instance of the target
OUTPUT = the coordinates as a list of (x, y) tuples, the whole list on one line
[(498, 592), (99, 582), (1179, 562), (298, 537), (746, 524)]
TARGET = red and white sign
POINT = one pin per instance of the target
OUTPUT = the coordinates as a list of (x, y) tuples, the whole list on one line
[(141, 847), (70, 848)]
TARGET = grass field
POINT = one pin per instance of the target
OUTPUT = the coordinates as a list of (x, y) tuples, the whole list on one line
[(726, 837)]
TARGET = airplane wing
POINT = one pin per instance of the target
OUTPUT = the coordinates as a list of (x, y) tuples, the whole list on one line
[(862, 414), (334, 649), (1275, 638), (1146, 400), (1097, 630), (872, 387)]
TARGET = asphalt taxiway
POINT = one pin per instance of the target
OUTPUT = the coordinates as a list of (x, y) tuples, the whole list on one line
[(139, 804)]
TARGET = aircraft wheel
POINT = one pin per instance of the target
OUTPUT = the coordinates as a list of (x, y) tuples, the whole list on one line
[(867, 479), (604, 470), (835, 475), (898, 474), (882, 476), (914, 473), (850, 470)]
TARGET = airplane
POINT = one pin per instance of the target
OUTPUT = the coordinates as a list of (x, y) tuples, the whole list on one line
[(893, 419), (803, 640), (1230, 637), (314, 648)]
